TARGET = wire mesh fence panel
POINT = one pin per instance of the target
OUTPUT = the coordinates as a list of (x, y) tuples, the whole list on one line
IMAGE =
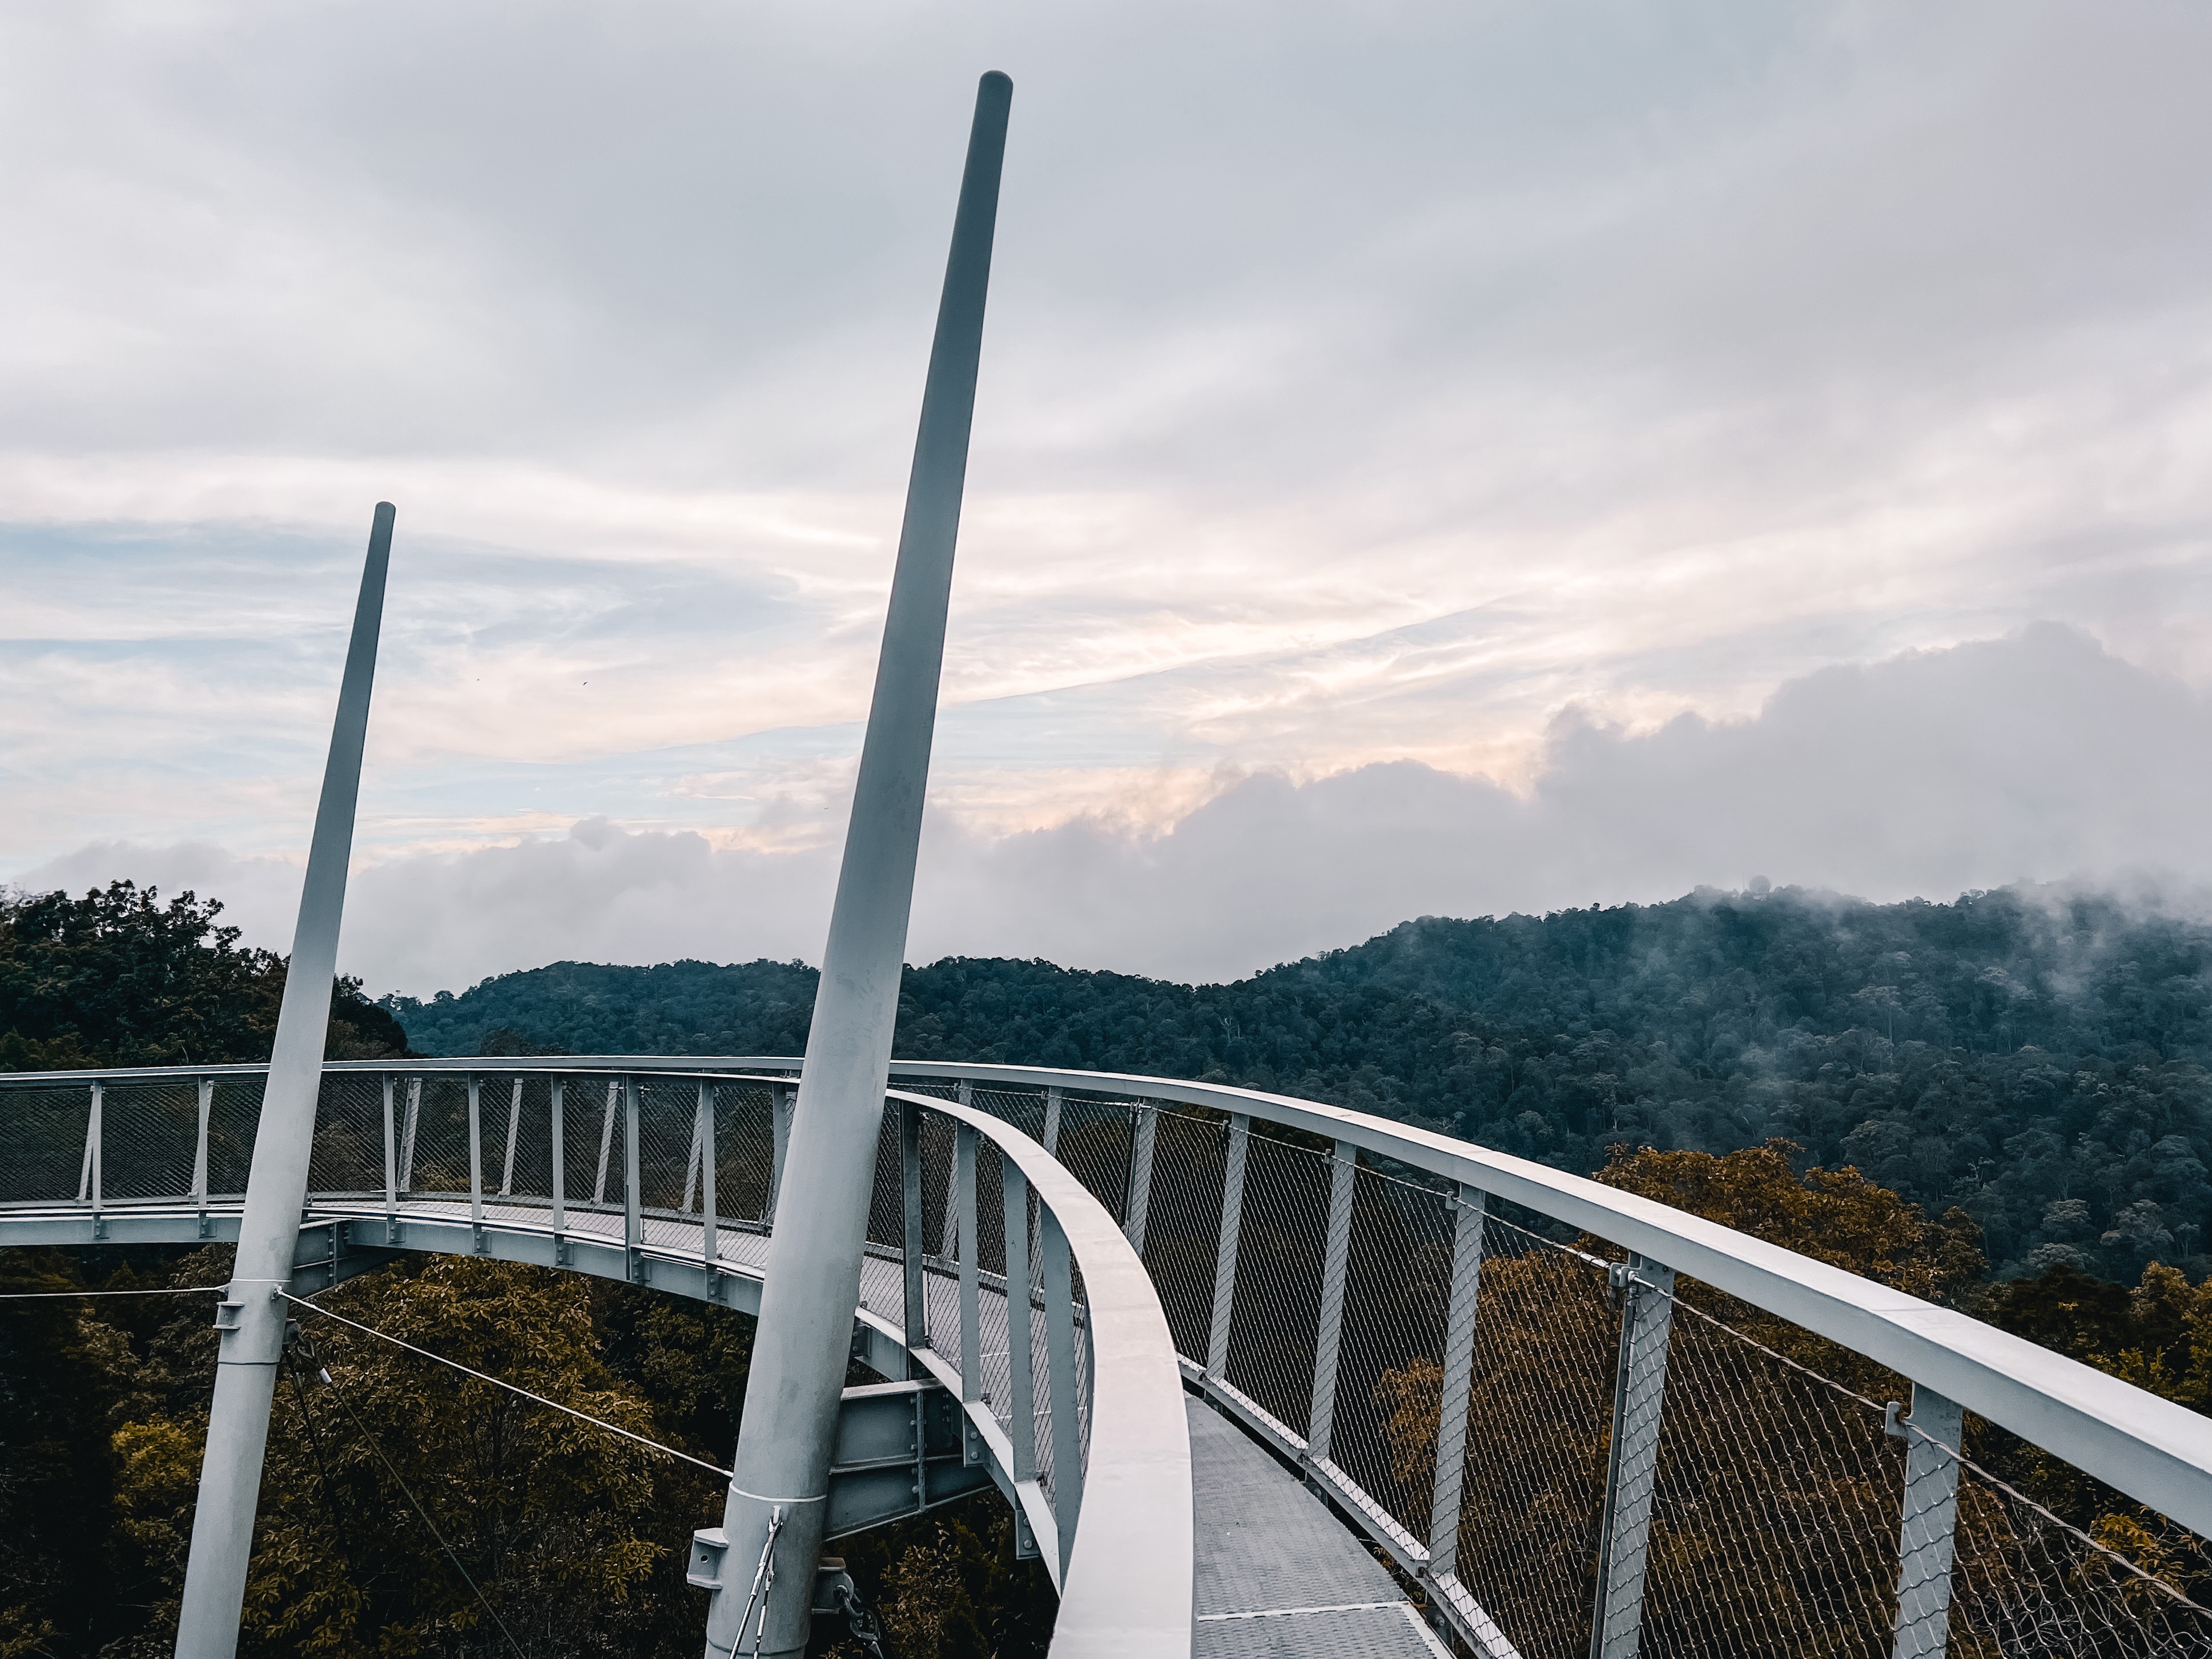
[(940, 1216), (745, 1149), (149, 1133), (234, 1116), (668, 1142), (1774, 1524), (1389, 1368), (1095, 1142), (1182, 1232), (2022, 1582), (43, 1130), (525, 1167), (347, 1152), (1023, 1107), (590, 1142), (440, 1144), (887, 1204), (993, 1313), (1539, 1412), (1275, 1317)]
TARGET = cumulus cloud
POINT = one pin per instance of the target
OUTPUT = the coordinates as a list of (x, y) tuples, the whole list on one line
[(2038, 756)]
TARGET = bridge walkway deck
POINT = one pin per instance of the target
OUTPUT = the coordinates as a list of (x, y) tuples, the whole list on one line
[(1280, 1574)]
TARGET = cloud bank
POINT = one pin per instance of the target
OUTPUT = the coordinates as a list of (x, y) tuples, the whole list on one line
[(2038, 757)]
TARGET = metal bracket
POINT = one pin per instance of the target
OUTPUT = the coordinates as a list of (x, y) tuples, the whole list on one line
[(901, 1447)]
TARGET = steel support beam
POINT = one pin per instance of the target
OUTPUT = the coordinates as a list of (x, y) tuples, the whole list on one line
[(252, 1317), (1639, 1399), (1224, 1254), (1925, 1540), (777, 1500), (1469, 1214)]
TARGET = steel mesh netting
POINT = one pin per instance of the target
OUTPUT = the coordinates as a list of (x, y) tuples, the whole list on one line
[(43, 1134), (523, 1166), (1397, 1292), (745, 1149), (1095, 1141), (233, 1117), (1183, 1225), (940, 1215), (668, 1140), (1023, 1107), (1275, 1317), (591, 1143), (148, 1133), (2022, 1582), (348, 1151), (887, 1204), (438, 1113)]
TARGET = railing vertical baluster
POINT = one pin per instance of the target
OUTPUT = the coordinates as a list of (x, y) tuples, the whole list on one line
[(556, 1093), (1224, 1257), (391, 1166), (407, 1135), (710, 1241), (1052, 1101), (633, 1222), (1021, 1347), (1144, 1131), (606, 1144), (91, 1140), (1459, 1373), (1336, 1254), (1059, 1371), (691, 1158), (476, 1168), (917, 1311), (200, 1146), (513, 1132), (1925, 1540), (949, 1230), (785, 1106), (1632, 1466), (963, 1201), (95, 1140)]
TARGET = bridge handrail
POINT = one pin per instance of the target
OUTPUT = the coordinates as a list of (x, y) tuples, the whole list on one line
[(1127, 1588)]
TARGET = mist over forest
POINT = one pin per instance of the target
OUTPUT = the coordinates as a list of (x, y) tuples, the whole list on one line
[(2036, 1057)]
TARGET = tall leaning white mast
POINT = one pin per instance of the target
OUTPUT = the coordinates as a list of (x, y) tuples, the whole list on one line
[(251, 1316), (774, 1517)]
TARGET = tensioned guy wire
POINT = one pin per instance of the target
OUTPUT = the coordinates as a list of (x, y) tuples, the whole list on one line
[(49, 1295), (584, 1416)]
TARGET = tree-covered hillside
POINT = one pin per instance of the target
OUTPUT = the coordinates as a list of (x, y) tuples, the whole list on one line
[(2040, 1059)]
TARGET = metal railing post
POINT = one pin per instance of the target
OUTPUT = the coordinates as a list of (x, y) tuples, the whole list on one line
[(606, 1144), (964, 1198), (1471, 1209), (1052, 1102), (1925, 1540), (475, 1168), (633, 1222), (513, 1134), (1021, 1342), (1144, 1131), (784, 1104), (691, 1158), (200, 1148), (407, 1134), (917, 1311), (1225, 1256), (556, 1092), (1060, 1375), (710, 1242), (390, 1166), (1639, 1398), (92, 1184), (949, 1229), (1336, 1254)]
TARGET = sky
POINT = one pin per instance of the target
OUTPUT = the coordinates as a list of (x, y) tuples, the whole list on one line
[(1430, 458)]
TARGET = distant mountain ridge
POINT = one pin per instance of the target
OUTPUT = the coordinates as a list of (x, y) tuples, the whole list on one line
[(2038, 1059)]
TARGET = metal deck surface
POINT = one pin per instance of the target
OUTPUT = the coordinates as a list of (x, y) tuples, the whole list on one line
[(1277, 1573)]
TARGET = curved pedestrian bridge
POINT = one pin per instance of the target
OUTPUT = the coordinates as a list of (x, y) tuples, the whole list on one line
[(1257, 1375)]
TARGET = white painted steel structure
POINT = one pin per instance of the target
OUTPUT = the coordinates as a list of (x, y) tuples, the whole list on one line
[(1099, 1394)]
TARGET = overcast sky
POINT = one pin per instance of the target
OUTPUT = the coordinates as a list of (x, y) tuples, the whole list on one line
[(1429, 458)]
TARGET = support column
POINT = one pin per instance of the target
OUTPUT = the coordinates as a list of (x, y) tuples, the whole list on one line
[(1444, 1491), (1336, 1255), (1639, 1396), (252, 1317), (813, 1278), (1925, 1541), (1224, 1254)]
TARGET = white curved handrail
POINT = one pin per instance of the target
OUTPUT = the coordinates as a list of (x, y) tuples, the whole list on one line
[(1129, 1583)]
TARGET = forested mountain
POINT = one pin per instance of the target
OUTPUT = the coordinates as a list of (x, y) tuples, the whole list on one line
[(2037, 1058)]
